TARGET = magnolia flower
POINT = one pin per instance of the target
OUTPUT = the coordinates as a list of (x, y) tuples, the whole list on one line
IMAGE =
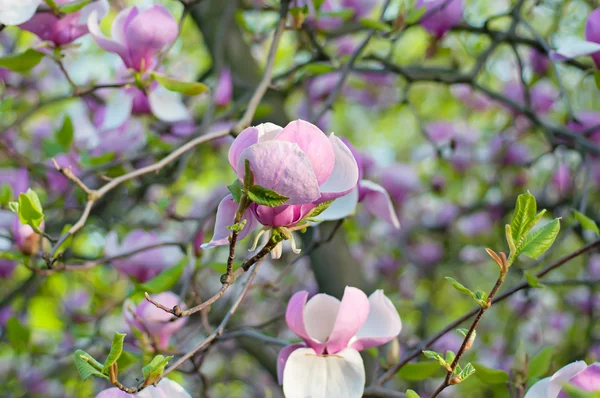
[(128, 137), (585, 121), (328, 364), (320, 20), (561, 178), (65, 29), (147, 318), (573, 47), (299, 162), (137, 37), (441, 15), (541, 95), (27, 240), (144, 265), (458, 142), (224, 88), (15, 12), (400, 180), (375, 198), (578, 374), (471, 98), (164, 389), (539, 61)]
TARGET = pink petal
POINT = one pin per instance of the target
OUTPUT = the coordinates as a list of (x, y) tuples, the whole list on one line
[(282, 358), (294, 317), (282, 216), (245, 139), (539, 389), (587, 380), (592, 32), (562, 376), (148, 34), (352, 314), (224, 88), (382, 325), (283, 167), (42, 25), (378, 202), (225, 216), (104, 42), (344, 176), (314, 144), (122, 20), (113, 393)]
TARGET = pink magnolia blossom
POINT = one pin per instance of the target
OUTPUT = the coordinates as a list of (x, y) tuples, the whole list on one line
[(299, 162), (57, 182), (137, 37), (166, 388), (400, 181), (320, 20), (578, 374), (542, 95), (147, 318), (224, 88), (561, 179), (327, 363), (586, 120), (65, 29), (144, 265), (457, 139), (574, 47), (15, 12), (539, 62), (470, 97), (441, 15)]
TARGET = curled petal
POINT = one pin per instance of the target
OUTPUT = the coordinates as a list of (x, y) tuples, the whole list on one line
[(167, 106), (101, 8), (245, 139), (268, 131), (341, 207), (294, 316), (277, 251), (282, 358), (122, 20), (344, 176), (352, 314), (562, 376), (225, 217), (282, 167), (102, 41), (15, 12), (382, 325), (587, 380), (539, 389), (314, 144), (378, 202), (307, 374)]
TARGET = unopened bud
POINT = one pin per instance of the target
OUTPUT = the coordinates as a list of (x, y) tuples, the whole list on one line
[(454, 380), (392, 353)]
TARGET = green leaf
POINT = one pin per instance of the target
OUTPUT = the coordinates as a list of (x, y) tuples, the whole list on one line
[(115, 351), (266, 197), (435, 355), (21, 62), (87, 365), (539, 364), (14, 207), (154, 370), (321, 207), (64, 136), (18, 335), (533, 280), (537, 242), (574, 392), (236, 190), (450, 355), (126, 360), (411, 394), (415, 15), (525, 212), (30, 209), (6, 194), (248, 174), (319, 68), (467, 371), (463, 332), (597, 79), (165, 280), (74, 6), (586, 222), (52, 4), (375, 24), (419, 371), (489, 375), (187, 88)]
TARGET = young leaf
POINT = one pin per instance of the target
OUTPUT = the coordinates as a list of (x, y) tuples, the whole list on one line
[(525, 212), (166, 279), (72, 7), (463, 332), (533, 281), (437, 356), (458, 286), (467, 371), (321, 207), (6, 194), (537, 242), (115, 351), (539, 364), (30, 209), (375, 24), (154, 370), (415, 15), (187, 88), (21, 62), (266, 197), (87, 365), (411, 394), (586, 222), (319, 68), (489, 375), (236, 190), (64, 136)]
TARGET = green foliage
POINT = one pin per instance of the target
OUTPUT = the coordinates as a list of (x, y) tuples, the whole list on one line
[(539, 364), (436, 356), (74, 6), (411, 394), (87, 365), (29, 209), (533, 280), (166, 279), (6, 194), (419, 371), (115, 351), (236, 190), (415, 15), (154, 370), (523, 216), (187, 88), (375, 24), (321, 207), (586, 222), (489, 375), (574, 392), (537, 242), (64, 135), (480, 296), (318, 68), (266, 197), (22, 62), (18, 334)]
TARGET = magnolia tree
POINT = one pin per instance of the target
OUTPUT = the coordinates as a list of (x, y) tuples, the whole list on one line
[(328, 199)]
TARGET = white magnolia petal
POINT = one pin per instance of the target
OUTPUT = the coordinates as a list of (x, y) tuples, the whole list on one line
[(342, 207), (574, 47), (320, 313), (118, 111), (268, 131), (172, 389), (539, 389), (382, 325), (16, 12), (101, 7), (344, 176), (307, 374), (167, 105), (562, 376)]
